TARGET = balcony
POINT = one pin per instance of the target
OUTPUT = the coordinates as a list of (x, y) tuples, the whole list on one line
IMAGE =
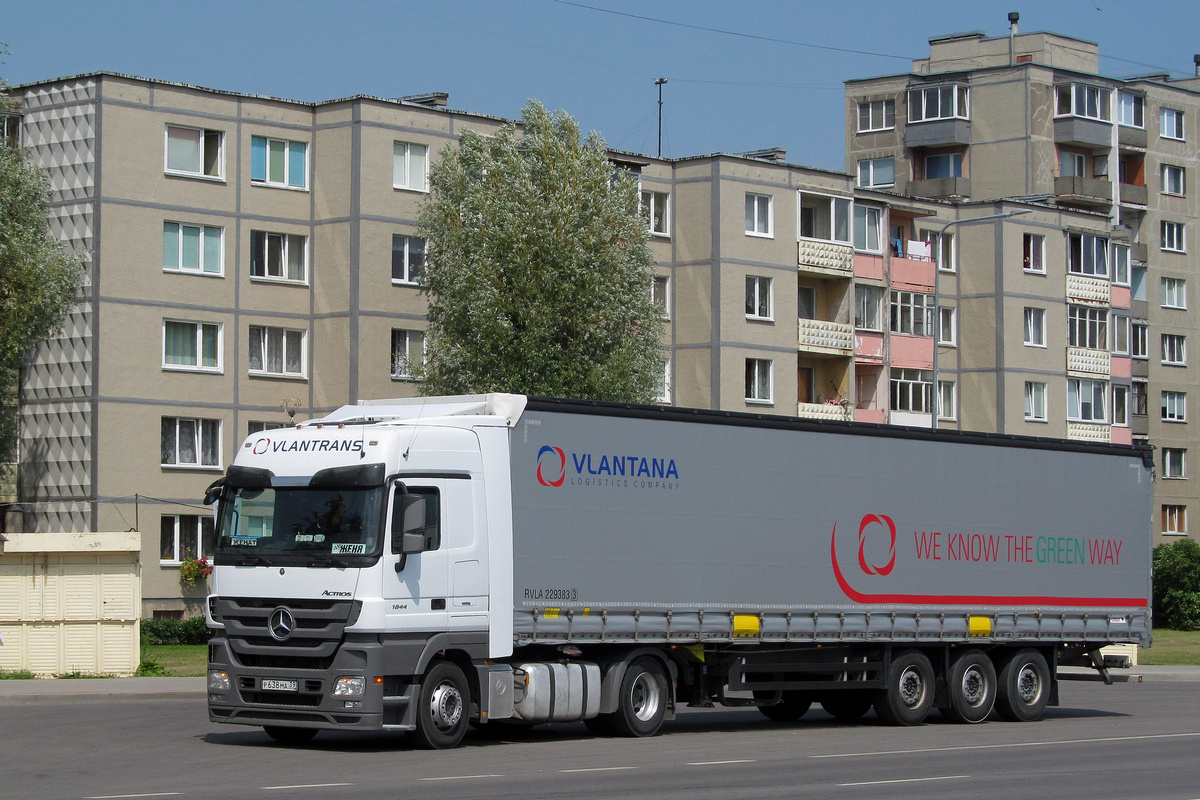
[(868, 347), (828, 338), (937, 133), (825, 258), (825, 411), (913, 274), (1087, 363), (1087, 432), (940, 187), (1083, 191), (1085, 289), (1139, 252), (1134, 194), (1131, 137), (1081, 131), (875, 415)]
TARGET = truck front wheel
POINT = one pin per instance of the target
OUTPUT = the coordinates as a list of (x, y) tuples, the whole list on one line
[(1023, 687), (972, 687), (642, 705), (443, 707), (908, 695)]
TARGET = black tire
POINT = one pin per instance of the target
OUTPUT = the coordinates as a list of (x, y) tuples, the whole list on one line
[(908, 695), (792, 705), (1023, 687), (285, 735), (848, 705), (642, 704), (443, 707), (971, 685)]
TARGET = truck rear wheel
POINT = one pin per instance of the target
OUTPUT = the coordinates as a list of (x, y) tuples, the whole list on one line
[(1023, 687), (792, 705), (907, 696), (972, 688), (642, 705), (286, 735), (848, 705), (443, 707)]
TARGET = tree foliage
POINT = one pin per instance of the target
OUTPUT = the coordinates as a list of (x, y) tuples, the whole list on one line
[(1177, 585), (539, 270), (39, 281)]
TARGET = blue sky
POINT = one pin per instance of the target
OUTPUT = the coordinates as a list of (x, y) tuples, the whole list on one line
[(741, 75)]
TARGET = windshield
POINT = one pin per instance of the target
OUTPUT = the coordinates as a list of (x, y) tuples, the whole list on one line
[(300, 526)]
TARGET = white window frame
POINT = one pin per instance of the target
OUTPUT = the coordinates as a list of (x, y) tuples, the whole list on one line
[(760, 299), (1139, 398), (288, 147), (203, 546), (868, 221), (199, 330), (880, 115), (287, 244), (840, 214), (1083, 100), (1174, 463), (406, 272), (1173, 406), (760, 215), (867, 169), (660, 294), (1087, 327), (205, 138), (260, 351), (1033, 253), (1170, 124), (954, 164), (655, 207), (1121, 334), (1131, 110), (1174, 236), (947, 396), (947, 322), (1174, 519), (1139, 340), (1174, 349), (1120, 405), (1121, 264), (910, 390), (204, 234), (664, 394), (401, 362), (760, 379), (1035, 326), (868, 307), (1173, 179), (943, 249), (952, 101), (1174, 292), (910, 313), (1035, 401), (1093, 249), (1083, 397), (405, 161), (201, 430)]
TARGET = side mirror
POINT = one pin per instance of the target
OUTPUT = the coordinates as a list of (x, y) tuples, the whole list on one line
[(412, 543), (408, 524)]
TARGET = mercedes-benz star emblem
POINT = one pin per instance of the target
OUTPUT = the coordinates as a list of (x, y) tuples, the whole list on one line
[(281, 624)]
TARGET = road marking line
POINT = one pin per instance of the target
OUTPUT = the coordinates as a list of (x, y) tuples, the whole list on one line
[(597, 769), (460, 778), (907, 780), (303, 786), (119, 796), (1008, 745), (713, 763)]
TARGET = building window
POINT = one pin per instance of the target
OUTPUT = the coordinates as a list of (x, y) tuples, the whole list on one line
[(1121, 264), (1139, 346), (654, 212), (1174, 406), (941, 246), (276, 352), (277, 162), (912, 390), (408, 351), (1035, 327), (660, 294), (185, 536), (195, 152), (408, 259), (258, 426), (1087, 327), (938, 102), (1120, 400), (1035, 401), (1034, 253), (947, 400), (911, 313), (944, 165), (876, 115), (1172, 237), (759, 380), (1173, 463), (759, 215), (410, 166), (1174, 293), (1121, 334), (1137, 283), (1087, 254), (758, 298), (10, 130), (1174, 350), (1085, 400), (877, 173), (1174, 520), (825, 218), (806, 302), (1172, 179), (663, 392), (1131, 110), (868, 234), (278, 256), (947, 325), (191, 442), (191, 346), (1138, 399), (1081, 100), (193, 248), (868, 301), (1170, 123)]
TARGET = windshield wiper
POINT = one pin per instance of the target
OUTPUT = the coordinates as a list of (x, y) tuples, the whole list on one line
[(254, 557), (327, 560)]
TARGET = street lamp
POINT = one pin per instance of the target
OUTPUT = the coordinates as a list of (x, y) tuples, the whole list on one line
[(937, 321)]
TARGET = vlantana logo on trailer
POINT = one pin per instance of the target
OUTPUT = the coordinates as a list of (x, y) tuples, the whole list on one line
[(556, 467)]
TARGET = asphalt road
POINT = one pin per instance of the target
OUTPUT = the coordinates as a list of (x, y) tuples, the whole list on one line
[(1126, 740)]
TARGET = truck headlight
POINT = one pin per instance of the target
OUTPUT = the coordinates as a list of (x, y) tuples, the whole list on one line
[(218, 681), (350, 686)]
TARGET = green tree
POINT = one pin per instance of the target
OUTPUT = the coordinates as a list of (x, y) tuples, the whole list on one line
[(539, 270), (39, 281), (1177, 585)]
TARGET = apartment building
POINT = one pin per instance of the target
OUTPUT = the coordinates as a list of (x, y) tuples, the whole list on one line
[(1101, 307)]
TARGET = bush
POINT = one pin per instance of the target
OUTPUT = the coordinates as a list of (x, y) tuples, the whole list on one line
[(174, 631), (149, 668), (1177, 585)]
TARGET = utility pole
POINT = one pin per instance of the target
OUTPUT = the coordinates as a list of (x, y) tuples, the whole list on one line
[(659, 83)]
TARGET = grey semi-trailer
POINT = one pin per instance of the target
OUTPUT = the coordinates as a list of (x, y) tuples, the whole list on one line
[(426, 564)]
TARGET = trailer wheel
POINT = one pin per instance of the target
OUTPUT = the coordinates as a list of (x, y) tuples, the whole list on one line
[(642, 705), (972, 688), (1023, 687), (848, 705), (792, 705), (286, 735), (908, 695), (442, 707)]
